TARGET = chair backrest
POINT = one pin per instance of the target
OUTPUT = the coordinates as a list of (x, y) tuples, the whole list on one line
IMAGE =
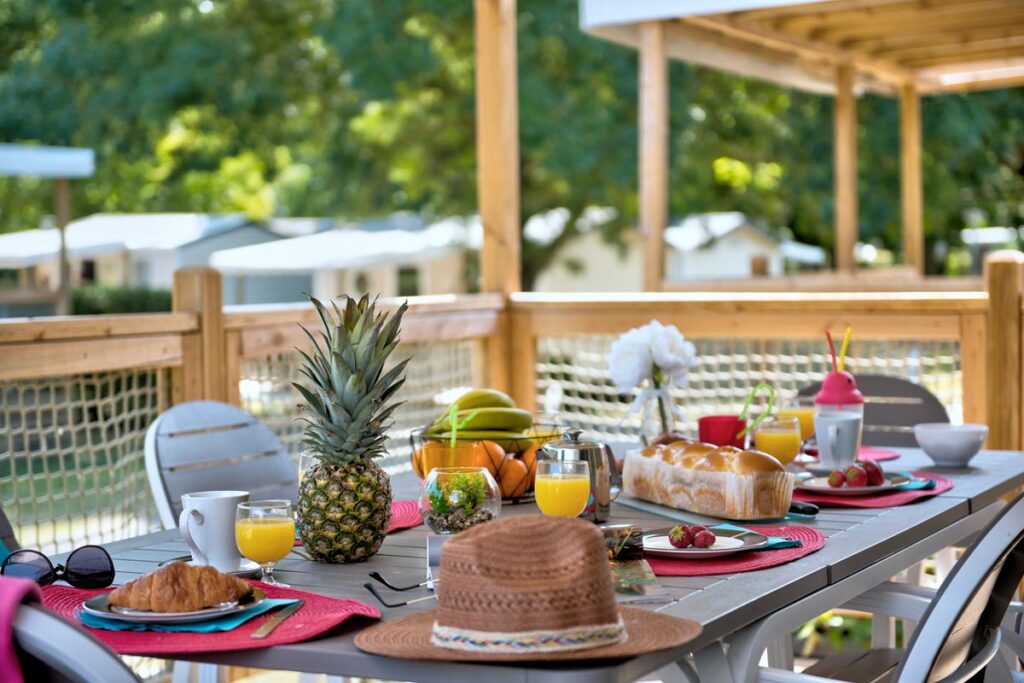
[(8, 541), (53, 650), (211, 446), (958, 634), (892, 406)]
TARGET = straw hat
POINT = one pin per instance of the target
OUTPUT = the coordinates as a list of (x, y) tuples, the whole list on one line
[(528, 588)]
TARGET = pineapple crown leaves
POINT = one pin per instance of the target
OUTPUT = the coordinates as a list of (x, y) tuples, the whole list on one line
[(348, 393)]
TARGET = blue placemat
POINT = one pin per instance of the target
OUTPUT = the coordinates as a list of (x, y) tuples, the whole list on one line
[(225, 623)]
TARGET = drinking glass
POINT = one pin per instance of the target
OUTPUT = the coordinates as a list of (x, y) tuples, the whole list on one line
[(779, 437), (562, 487), (306, 460), (265, 533), (802, 408)]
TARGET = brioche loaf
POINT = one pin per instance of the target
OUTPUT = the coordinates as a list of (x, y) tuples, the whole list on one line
[(720, 482)]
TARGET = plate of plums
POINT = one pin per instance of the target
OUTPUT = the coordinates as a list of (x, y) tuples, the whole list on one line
[(697, 542), (860, 479)]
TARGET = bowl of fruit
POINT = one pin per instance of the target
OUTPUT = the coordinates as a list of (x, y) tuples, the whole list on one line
[(490, 432)]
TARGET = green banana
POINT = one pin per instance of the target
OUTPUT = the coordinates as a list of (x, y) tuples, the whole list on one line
[(488, 419), (511, 442), (483, 398)]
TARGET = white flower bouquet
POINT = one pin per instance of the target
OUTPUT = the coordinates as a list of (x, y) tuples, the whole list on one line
[(656, 357)]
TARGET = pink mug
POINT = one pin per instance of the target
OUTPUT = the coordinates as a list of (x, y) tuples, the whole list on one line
[(722, 430)]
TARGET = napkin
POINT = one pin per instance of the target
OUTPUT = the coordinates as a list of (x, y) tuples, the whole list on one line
[(225, 623), (916, 483), (774, 542)]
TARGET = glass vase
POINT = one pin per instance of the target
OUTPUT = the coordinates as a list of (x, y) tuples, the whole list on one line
[(454, 499), (657, 414)]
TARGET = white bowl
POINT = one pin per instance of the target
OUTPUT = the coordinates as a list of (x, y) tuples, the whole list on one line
[(950, 445)]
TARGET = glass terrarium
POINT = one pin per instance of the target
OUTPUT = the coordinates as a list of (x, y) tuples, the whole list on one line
[(456, 498)]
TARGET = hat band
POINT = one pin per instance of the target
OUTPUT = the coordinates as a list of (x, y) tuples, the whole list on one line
[(513, 642)]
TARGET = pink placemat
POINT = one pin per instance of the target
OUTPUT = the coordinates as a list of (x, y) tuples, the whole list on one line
[(883, 500), (753, 560), (318, 615), (867, 453), (405, 514)]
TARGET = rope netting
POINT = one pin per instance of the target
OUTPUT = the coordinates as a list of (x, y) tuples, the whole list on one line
[(726, 370), (72, 459), (434, 376)]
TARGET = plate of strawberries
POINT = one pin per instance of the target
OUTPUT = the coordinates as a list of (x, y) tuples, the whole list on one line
[(859, 479), (697, 542)]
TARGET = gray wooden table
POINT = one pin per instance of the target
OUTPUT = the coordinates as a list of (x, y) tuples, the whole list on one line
[(863, 548)]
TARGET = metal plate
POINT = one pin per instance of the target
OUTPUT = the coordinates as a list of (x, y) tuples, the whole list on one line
[(100, 606), (820, 485), (727, 542)]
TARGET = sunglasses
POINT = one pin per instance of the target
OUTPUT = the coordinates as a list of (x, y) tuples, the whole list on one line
[(87, 567)]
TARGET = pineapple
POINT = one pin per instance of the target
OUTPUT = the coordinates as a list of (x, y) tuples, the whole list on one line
[(345, 498)]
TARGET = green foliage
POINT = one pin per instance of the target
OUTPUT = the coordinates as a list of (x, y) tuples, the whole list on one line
[(101, 299), (350, 108), (463, 490)]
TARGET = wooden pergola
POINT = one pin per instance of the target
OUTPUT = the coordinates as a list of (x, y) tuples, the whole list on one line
[(899, 48)]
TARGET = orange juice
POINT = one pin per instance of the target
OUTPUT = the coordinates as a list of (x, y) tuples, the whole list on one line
[(562, 495), (806, 416), (265, 539), (784, 444)]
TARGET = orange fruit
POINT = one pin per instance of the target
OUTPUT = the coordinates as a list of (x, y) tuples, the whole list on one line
[(491, 456), (513, 478), (529, 457)]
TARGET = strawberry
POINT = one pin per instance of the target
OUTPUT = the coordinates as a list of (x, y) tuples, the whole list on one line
[(680, 537), (856, 476), (696, 529), (836, 479), (875, 475), (704, 539)]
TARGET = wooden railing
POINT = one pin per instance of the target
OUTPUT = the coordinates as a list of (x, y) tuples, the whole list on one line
[(79, 393)]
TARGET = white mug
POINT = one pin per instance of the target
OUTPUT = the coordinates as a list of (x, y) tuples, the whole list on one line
[(207, 523), (838, 435)]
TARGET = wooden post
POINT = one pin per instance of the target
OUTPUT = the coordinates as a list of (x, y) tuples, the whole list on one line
[(1004, 279), (911, 199), (497, 144), (524, 361), (495, 352), (199, 289), (62, 214), (845, 150), (653, 141)]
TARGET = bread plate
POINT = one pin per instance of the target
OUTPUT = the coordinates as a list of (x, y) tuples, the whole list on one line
[(820, 485), (100, 606), (727, 542)]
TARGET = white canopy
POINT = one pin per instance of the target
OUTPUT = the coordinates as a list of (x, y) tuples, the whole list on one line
[(110, 233), (46, 162), (348, 248)]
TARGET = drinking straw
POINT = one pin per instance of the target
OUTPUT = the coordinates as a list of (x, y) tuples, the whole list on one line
[(846, 345), (454, 425), (746, 406), (832, 350)]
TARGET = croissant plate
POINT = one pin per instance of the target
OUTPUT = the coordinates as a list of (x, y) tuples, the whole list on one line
[(180, 587)]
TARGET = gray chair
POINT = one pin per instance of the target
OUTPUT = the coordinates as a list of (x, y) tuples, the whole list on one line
[(53, 650), (892, 406), (7, 537), (211, 446), (959, 632)]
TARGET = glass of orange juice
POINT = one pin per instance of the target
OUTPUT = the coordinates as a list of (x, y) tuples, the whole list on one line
[(803, 409), (562, 487), (265, 533), (779, 437)]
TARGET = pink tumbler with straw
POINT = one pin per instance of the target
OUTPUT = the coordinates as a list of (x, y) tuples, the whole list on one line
[(839, 389)]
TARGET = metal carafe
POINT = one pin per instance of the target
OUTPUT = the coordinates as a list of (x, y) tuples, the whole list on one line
[(605, 480)]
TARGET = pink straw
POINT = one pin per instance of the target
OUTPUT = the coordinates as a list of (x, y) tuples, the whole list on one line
[(832, 350)]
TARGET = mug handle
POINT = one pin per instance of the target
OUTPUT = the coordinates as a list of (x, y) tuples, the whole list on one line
[(183, 520), (833, 439), (614, 475)]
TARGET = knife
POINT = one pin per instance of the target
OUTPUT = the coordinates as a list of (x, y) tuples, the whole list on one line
[(264, 631)]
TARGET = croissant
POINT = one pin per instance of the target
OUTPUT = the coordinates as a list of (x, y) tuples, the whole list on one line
[(179, 587)]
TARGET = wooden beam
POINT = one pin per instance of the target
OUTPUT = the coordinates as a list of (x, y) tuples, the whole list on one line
[(781, 13), (93, 326), (786, 42), (965, 58), (981, 83), (1004, 274), (812, 24), (78, 356), (911, 193), (845, 162), (942, 42), (653, 162), (199, 289), (846, 33), (497, 144)]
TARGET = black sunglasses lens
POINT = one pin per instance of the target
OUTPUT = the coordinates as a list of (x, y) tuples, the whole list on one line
[(89, 567), (28, 564)]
